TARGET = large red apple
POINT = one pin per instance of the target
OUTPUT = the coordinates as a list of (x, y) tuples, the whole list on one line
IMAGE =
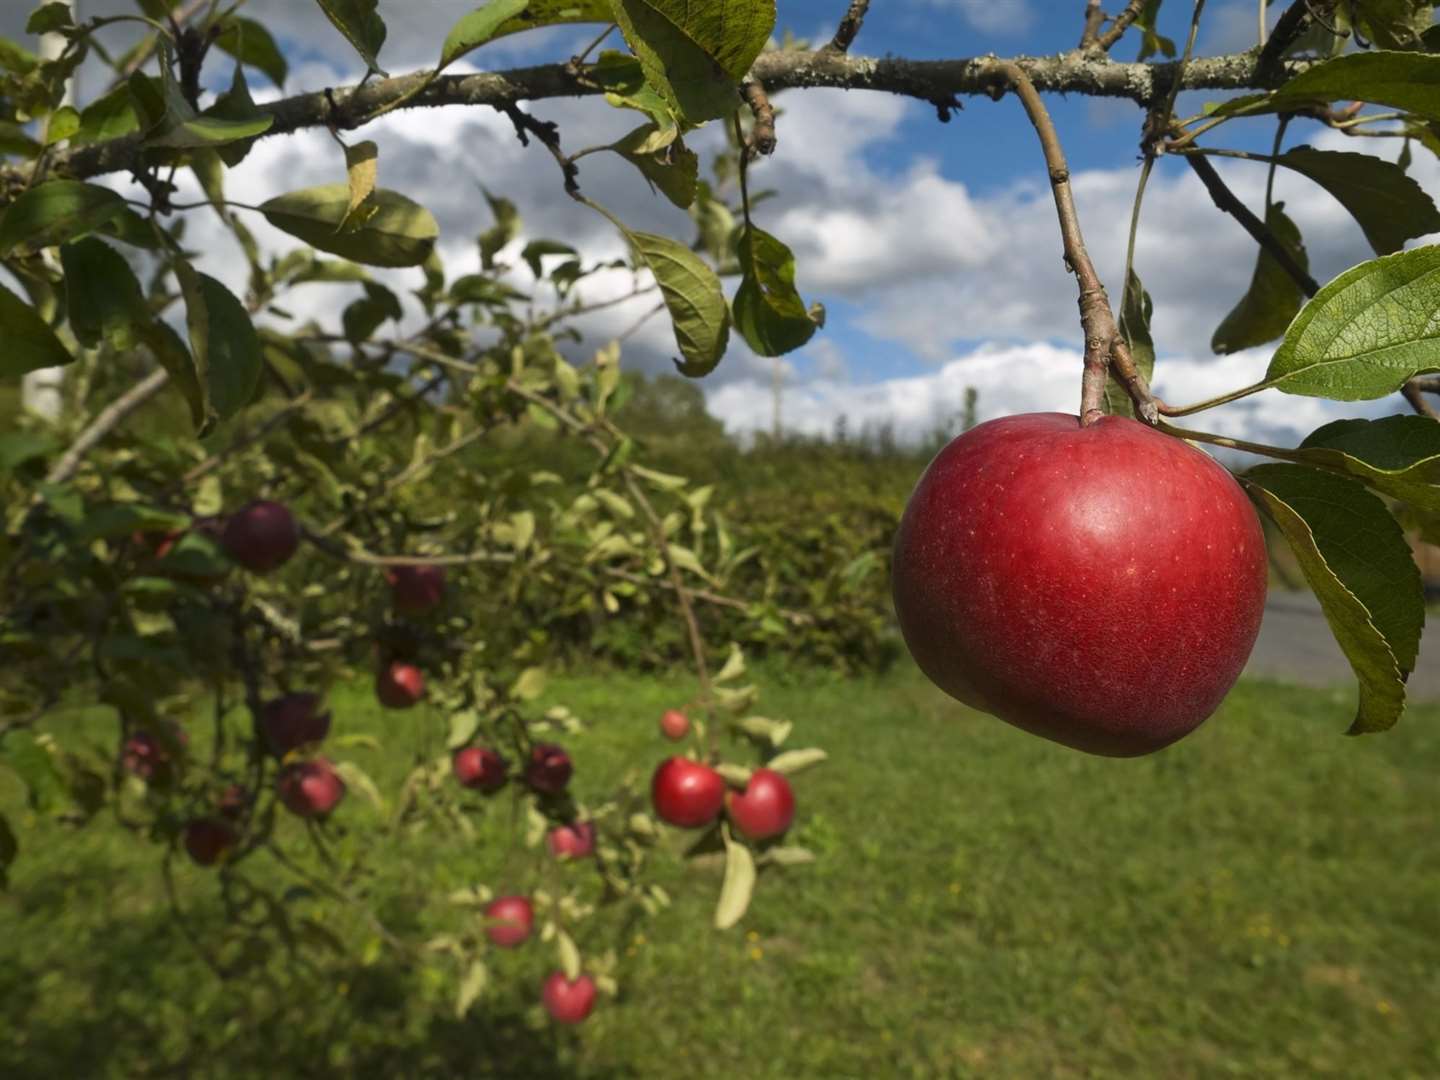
[(1099, 586), (686, 793), (310, 788), (575, 841), (261, 536), (415, 590), (766, 808), (674, 724), (480, 768), (511, 919), (207, 840), (549, 768), (399, 685), (568, 1001), (292, 721)]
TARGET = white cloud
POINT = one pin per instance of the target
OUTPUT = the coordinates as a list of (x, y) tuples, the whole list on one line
[(993, 16)]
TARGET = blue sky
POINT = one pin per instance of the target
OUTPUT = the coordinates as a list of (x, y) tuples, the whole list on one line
[(932, 245)]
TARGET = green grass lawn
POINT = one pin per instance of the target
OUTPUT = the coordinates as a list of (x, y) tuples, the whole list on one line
[(1262, 899)]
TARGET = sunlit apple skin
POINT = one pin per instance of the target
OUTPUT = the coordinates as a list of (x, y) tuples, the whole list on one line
[(479, 768), (766, 808), (511, 919), (399, 685), (261, 536), (310, 788), (416, 590), (207, 840), (292, 721), (674, 724), (568, 1002), (575, 841), (1098, 586), (686, 793)]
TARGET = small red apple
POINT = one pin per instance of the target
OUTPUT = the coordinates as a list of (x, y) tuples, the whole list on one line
[(686, 793), (261, 536), (575, 841), (766, 808), (292, 721), (569, 1002), (399, 685), (480, 768), (150, 757), (158, 542), (416, 590), (310, 788), (511, 920), (674, 724), (234, 801), (207, 840), (549, 768), (1100, 586)]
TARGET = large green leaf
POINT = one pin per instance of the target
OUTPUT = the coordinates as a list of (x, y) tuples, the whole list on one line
[(1393, 24), (769, 312), (1390, 206), (170, 122), (1399, 455), (361, 25), (673, 168), (107, 117), (692, 294), (625, 88), (738, 885), (1366, 332), (695, 52), (29, 343), (171, 354), (223, 340), (1274, 297), (251, 43), (104, 299), (396, 232), (1402, 80), (235, 105), (54, 212), (1356, 560), (9, 848), (477, 28)]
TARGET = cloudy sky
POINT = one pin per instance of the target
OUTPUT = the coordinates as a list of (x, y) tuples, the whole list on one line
[(933, 246)]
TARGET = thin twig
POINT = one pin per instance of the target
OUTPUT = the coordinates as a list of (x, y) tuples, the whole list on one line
[(1412, 393), (849, 27), (762, 133), (1094, 19), (106, 421), (1121, 24)]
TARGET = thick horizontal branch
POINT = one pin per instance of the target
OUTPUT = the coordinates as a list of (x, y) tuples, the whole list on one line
[(928, 80)]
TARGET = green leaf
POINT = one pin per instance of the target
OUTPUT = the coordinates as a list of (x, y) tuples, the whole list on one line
[(1394, 24), (35, 766), (171, 354), (104, 298), (567, 954), (739, 883), (769, 312), (9, 848), (1366, 332), (536, 250), (471, 987), (1403, 80), (54, 212), (505, 229), (793, 761), (1355, 558), (539, 13), (30, 344), (223, 339), (358, 21), (399, 232), (477, 28), (116, 521), (63, 123), (357, 779), (1274, 297), (14, 141), (363, 317), (625, 88), (238, 106), (695, 52), (691, 292), (20, 447), (48, 18), (107, 117), (1390, 206), (1134, 325), (1399, 455), (16, 58), (673, 168), (251, 43)]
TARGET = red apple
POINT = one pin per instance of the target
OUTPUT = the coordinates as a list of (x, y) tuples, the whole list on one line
[(549, 768), (292, 721), (207, 840), (766, 808), (399, 685), (261, 536), (686, 793), (415, 590), (674, 724), (511, 919), (310, 788), (566, 1001), (575, 841), (158, 542), (1099, 586), (234, 801), (151, 757), (480, 768)]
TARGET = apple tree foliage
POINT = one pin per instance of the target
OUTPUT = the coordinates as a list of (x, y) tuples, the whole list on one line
[(117, 593)]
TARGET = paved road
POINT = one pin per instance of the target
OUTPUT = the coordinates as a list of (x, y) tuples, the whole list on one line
[(1296, 646)]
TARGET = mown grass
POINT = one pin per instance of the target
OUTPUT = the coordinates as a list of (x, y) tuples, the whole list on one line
[(1262, 899)]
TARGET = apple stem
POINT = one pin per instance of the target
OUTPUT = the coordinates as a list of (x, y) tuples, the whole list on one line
[(1103, 342)]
